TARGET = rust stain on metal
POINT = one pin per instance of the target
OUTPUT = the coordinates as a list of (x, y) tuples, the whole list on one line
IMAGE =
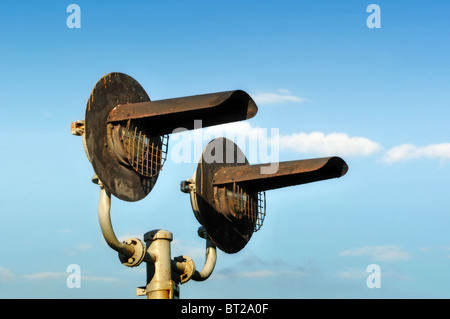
[(77, 128), (288, 173), (230, 197), (212, 109)]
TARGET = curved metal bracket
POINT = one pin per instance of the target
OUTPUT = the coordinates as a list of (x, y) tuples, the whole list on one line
[(210, 259), (182, 265), (139, 253), (132, 251)]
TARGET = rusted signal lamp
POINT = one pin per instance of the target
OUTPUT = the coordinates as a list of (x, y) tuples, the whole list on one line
[(125, 137), (126, 134), (228, 194)]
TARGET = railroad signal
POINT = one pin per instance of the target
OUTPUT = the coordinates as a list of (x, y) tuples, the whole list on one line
[(126, 134), (228, 194)]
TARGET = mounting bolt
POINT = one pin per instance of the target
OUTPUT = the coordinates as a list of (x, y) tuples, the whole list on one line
[(202, 232), (187, 186), (78, 128)]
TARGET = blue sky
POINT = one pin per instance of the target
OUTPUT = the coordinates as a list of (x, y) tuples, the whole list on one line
[(379, 98)]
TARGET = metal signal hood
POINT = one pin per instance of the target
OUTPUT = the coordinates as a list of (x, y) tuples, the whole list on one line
[(228, 194), (126, 134)]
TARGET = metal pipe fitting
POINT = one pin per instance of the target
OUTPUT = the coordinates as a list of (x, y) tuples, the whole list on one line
[(131, 252), (104, 217), (159, 282), (210, 262)]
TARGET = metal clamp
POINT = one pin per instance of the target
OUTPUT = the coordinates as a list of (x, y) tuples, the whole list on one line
[(138, 256), (188, 270)]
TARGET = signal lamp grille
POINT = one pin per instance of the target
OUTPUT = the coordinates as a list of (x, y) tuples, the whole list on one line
[(145, 153), (250, 207)]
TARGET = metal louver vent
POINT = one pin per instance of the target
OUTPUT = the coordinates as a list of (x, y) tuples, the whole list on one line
[(247, 207), (146, 154)]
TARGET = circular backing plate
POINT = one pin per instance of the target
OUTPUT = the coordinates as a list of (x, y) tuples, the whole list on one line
[(121, 181), (226, 235)]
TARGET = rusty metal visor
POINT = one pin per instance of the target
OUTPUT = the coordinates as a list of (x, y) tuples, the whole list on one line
[(226, 196), (166, 115), (254, 178), (126, 133)]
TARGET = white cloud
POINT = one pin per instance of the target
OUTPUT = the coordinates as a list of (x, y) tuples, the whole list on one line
[(329, 144), (406, 152), (340, 144), (63, 275), (46, 275), (228, 273), (267, 142), (352, 273), (276, 98), (259, 273), (6, 275), (337, 143), (357, 273), (98, 279), (379, 253)]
